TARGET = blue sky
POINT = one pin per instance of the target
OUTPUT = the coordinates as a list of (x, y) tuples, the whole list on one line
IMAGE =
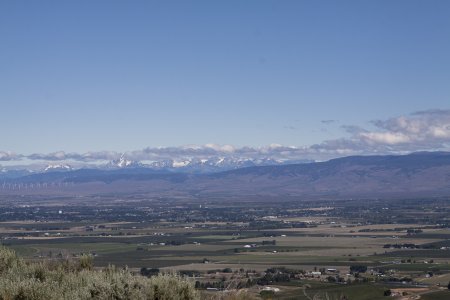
[(82, 76)]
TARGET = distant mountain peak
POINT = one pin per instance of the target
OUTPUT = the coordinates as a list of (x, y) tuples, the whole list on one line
[(57, 167), (215, 164), (362, 177), (181, 163), (123, 162)]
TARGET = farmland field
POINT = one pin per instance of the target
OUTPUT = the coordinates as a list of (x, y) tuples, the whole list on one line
[(319, 248)]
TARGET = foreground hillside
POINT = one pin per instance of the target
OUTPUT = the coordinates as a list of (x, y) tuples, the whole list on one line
[(69, 280)]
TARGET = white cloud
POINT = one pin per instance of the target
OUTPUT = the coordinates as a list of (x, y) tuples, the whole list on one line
[(84, 157), (220, 148), (424, 130), (389, 138), (8, 155), (420, 131)]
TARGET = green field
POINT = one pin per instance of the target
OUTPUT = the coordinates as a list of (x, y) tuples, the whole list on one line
[(332, 291), (441, 295), (331, 241)]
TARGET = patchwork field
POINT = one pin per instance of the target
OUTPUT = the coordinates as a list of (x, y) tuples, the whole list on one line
[(327, 251)]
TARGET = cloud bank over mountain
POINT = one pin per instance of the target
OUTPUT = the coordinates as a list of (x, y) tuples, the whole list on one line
[(423, 130), (8, 156), (420, 131)]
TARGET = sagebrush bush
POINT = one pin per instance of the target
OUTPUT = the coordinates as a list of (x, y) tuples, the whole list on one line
[(20, 280)]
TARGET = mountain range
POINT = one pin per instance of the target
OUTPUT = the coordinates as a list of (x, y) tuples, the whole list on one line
[(414, 175), (187, 165)]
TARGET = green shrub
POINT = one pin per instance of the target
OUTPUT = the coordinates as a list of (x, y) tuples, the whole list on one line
[(72, 280)]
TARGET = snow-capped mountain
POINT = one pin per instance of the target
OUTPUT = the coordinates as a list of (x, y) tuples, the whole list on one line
[(161, 164), (214, 164), (183, 165), (361, 177), (122, 162), (57, 167)]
